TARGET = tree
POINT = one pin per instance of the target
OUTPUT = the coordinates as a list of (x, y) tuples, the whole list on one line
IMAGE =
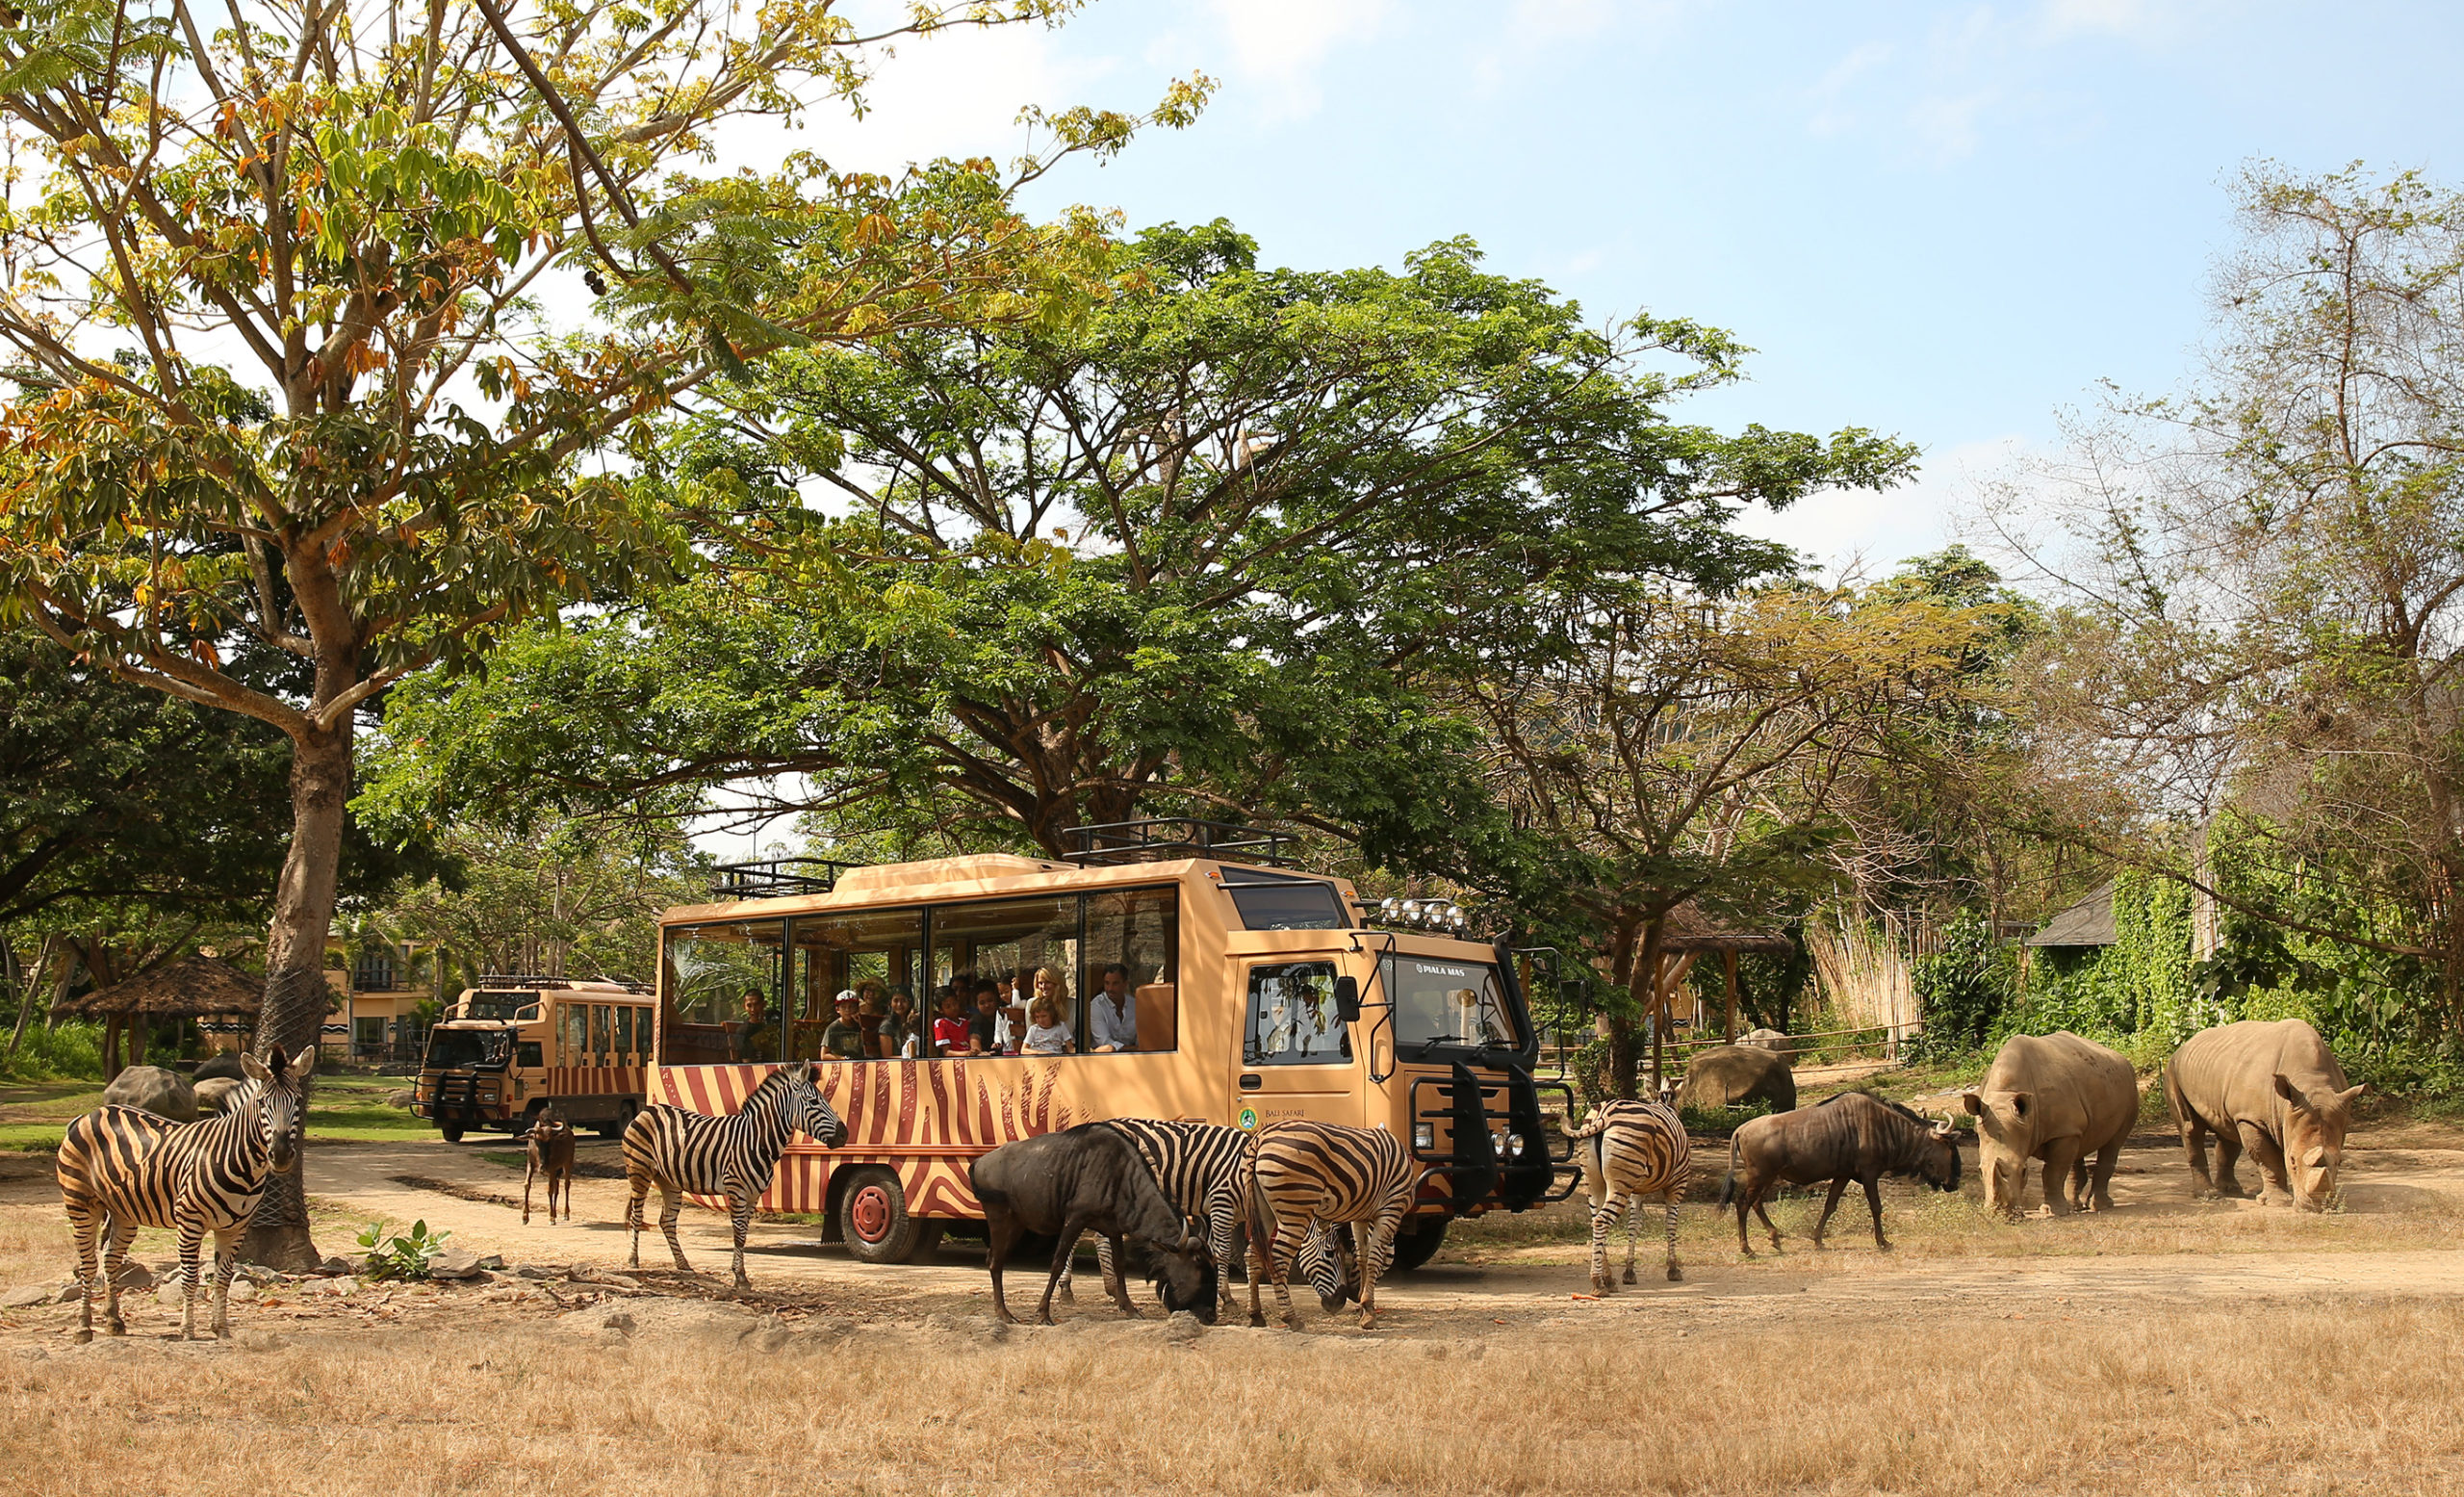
[(1194, 555), (1686, 747), (361, 207), (2265, 590)]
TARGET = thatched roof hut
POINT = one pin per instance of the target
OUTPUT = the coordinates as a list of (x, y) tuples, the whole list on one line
[(193, 987), (1687, 929)]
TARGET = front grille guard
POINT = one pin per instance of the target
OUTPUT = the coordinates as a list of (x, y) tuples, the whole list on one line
[(1508, 1186)]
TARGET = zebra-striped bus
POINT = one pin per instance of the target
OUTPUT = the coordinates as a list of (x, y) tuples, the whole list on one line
[(1195, 975), (511, 1047)]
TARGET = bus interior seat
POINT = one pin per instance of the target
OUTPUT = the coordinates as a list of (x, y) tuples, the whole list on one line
[(1158, 1017)]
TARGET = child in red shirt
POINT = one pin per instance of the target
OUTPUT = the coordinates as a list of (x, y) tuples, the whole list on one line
[(949, 1031)]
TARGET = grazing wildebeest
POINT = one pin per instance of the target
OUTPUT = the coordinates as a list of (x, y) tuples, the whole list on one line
[(551, 1157), (2273, 1089), (1848, 1137), (2056, 1098), (1089, 1179)]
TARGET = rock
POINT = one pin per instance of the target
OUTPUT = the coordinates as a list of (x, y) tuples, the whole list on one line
[(172, 1295), (28, 1296), (494, 1262), (1727, 1076), (455, 1265), (534, 1270), (225, 1066), (619, 1322), (213, 1093), (1184, 1326), (401, 1096), (134, 1275), (163, 1093), (243, 1291), (69, 1293), (335, 1268)]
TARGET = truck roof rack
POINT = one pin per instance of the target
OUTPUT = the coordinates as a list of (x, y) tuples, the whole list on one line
[(489, 981), (1157, 839), (773, 877)]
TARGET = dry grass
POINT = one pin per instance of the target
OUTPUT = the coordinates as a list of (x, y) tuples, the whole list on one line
[(2206, 1400)]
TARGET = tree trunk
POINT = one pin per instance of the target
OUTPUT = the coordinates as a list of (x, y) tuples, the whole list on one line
[(1647, 972), (293, 1014)]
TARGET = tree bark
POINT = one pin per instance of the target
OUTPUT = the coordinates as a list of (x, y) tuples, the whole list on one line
[(293, 1011)]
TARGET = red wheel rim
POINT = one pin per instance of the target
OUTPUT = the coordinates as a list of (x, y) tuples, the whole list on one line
[(869, 1212)]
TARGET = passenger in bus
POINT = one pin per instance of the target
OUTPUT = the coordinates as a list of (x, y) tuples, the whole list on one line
[(868, 1019), (753, 1036), (949, 1031), (1114, 1022), (989, 1029), (1048, 1032), (1049, 986), (900, 1028), (844, 1039)]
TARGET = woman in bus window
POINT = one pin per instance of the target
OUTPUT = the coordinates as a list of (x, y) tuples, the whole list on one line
[(989, 1029), (899, 1026)]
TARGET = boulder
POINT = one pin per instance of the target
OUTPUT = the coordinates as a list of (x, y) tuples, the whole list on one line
[(163, 1093), (243, 1291), (134, 1275), (1735, 1075), (1771, 1039), (456, 1265), (335, 1268), (401, 1096), (28, 1296), (213, 1093), (225, 1066)]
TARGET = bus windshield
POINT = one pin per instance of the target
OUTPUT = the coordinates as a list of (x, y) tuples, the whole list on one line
[(1441, 1003), (501, 1005), (449, 1049)]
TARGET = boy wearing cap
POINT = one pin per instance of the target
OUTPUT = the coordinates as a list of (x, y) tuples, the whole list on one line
[(844, 1039)]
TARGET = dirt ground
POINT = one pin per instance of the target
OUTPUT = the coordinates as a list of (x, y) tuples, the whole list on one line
[(2171, 1344)]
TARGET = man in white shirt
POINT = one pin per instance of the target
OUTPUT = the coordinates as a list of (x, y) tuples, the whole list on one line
[(1114, 1020)]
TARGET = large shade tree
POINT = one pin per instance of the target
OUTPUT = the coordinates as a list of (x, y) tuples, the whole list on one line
[(273, 291), (1199, 554)]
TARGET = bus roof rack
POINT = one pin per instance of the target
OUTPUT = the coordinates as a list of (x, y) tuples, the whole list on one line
[(516, 980), (775, 877), (1156, 839)]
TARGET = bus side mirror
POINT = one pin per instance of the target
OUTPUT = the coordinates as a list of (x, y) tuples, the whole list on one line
[(1348, 997)]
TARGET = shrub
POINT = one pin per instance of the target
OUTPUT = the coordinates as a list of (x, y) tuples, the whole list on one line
[(73, 1049), (408, 1256)]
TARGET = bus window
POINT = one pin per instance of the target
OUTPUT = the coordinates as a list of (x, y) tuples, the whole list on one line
[(575, 1033), (526, 1054), (1139, 929), (1292, 1016), (624, 1051), (835, 952), (1287, 903), (602, 1045), (997, 937), (721, 992), (1440, 1002)]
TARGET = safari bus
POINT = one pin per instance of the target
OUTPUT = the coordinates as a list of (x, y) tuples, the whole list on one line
[(1233, 986), (512, 1045)]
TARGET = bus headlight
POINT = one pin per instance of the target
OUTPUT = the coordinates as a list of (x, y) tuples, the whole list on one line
[(1514, 1146), (1423, 1135)]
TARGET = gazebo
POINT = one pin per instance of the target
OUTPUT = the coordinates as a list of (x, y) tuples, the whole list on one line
[(1686, 936), (193, 987)]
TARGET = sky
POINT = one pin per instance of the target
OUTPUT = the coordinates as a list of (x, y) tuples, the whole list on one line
[(1944, 221)]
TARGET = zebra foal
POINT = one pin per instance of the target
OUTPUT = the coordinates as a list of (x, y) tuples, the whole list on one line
[(121, 1169), (1629, 1149), (1301, 1180), (678, 1150)]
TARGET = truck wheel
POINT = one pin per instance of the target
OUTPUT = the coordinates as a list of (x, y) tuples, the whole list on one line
[(873, 1219), (453, 1131), (1418, 1246)]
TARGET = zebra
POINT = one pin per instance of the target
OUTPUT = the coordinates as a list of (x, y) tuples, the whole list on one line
[(1302, 1179), (1629, 1149), (121, 1167), (734, 1156), (1198, 1166)]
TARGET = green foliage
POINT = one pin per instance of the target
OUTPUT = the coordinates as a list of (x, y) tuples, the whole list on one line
[(1721, 1121), (69, 1050), (1964, 987), (407, 1257)]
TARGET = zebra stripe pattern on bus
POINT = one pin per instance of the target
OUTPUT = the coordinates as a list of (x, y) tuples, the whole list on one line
[(1300, 1178), (122, 1168), (731, 1156), (1629, 1149)]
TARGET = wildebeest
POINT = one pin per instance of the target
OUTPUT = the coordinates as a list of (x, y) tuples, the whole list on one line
[(1848, 1137), (2056, 1098), (1088, 1179), (550, 1147), (2271, 1088)]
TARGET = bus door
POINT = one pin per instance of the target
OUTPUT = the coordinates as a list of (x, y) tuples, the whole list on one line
[(1296, 1057)]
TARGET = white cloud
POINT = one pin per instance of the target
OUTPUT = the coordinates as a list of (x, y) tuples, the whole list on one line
[(2133, 20), (1873, 534), (1282, 45)]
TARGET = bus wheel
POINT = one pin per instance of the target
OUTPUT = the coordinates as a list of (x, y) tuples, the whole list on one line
[(1417, 1247), (873, 1218), (453, 1131)]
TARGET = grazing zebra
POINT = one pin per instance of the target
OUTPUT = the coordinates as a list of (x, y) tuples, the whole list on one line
[(734, 1156), (1629, 1149), (1198, 1166), (121, 1169), (1302, 1179)]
